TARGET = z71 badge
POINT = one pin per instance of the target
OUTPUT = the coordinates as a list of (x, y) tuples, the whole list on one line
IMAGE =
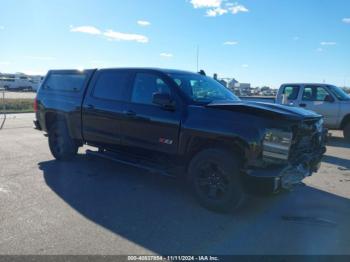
[(165, 141)]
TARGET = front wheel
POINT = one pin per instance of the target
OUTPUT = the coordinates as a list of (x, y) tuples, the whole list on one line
[(346, 132), (215, 176), (62, 146)]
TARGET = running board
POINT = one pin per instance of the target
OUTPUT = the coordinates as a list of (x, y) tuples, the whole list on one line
[(148, 166)]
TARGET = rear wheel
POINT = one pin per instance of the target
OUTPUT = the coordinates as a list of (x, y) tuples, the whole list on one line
[(346, 132), (215, 176), (62, 146)]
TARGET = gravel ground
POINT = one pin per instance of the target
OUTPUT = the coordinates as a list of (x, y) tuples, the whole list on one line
[(91, 206)]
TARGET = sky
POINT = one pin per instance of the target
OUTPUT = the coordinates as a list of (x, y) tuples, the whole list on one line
[(262, 42)]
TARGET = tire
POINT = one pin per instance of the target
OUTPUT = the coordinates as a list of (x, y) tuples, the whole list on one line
[(62, 146), (215, 178), (346, 132)]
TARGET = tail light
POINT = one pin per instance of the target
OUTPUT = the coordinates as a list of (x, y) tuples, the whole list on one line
[(35, 105)]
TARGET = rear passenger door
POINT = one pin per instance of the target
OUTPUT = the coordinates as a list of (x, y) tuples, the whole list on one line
[(103, 107), (149, 126)]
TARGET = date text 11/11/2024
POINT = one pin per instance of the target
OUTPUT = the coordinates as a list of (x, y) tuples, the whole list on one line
[(173, 258)]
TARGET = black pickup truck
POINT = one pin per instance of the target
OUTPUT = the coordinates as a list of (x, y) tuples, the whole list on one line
[(180, 123)]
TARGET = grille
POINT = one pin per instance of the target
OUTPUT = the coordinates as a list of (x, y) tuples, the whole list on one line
[(307, 139)]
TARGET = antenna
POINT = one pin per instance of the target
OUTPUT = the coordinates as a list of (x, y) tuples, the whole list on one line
[(197, 58)]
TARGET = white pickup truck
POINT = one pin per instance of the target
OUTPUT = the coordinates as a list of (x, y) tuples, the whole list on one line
[(328, 100)]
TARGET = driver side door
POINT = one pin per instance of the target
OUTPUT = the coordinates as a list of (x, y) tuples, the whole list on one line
[(149, 126), (321, 101)]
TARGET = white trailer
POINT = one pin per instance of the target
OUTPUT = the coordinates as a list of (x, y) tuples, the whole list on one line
[(20, 82)]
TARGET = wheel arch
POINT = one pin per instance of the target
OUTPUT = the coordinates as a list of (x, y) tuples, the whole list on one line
[(52, 117), (235, 145), (345, 121)]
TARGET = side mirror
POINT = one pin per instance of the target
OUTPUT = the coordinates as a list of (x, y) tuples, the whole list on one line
[(164, 100), (329, 98)]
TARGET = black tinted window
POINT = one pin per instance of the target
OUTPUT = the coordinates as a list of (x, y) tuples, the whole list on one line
[(111, 85), (65, 82), (145, 86), (291, 92)]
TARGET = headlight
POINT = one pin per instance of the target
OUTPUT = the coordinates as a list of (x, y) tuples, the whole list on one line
[(276, 144), (319, 125)]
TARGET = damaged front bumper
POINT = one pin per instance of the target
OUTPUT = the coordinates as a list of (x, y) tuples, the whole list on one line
[(287, 176)]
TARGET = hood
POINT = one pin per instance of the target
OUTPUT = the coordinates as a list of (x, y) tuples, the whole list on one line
[(265, 109)]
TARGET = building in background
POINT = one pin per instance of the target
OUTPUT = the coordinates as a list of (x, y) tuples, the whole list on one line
[(221, 80), (231, 83), (245, 89), (242, 89)]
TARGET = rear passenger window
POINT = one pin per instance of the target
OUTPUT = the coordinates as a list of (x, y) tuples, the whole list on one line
[(65, 82), (291, 92), (111, 85)]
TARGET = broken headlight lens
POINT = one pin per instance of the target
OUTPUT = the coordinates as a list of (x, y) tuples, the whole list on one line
[(319, 125), (276, 144)]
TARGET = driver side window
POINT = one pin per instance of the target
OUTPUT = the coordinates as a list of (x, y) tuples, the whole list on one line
[(145, 85), (315, 93)]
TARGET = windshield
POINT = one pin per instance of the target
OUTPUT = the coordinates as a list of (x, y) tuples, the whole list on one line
[(339, 93), (202, 89)]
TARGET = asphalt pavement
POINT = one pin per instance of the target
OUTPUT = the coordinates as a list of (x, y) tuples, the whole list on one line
[(92, 206)]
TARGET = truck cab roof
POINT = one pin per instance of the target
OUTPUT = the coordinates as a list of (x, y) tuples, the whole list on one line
[(163, 70), (306, 84)]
